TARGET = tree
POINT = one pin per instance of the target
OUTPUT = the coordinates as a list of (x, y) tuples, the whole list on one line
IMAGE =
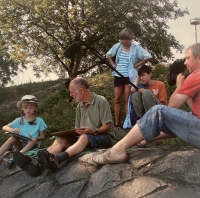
[(8, 67), (42, 29)]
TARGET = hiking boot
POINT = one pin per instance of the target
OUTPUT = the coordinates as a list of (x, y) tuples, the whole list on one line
[(31, 165), (9, 162), (49, 160)]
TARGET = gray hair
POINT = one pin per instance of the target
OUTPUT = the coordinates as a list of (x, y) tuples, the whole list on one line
[(195, 48), (80, 82), (126, 34)]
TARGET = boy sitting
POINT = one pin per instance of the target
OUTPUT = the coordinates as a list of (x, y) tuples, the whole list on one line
[(155, 93)]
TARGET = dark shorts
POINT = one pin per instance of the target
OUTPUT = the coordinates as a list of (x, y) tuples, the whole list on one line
[(120, 81), (99, 141), (96, 141), (24, 143)]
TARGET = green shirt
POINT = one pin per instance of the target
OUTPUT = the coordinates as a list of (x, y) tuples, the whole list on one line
[(96, 113)]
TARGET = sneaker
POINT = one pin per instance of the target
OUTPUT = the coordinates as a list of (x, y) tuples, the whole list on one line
[(9, 162), (31, 165), (49, 160)]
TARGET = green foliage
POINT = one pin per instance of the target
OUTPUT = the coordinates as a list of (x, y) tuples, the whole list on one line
[(8, 69), (8, 116), (16, 92), (58, 109), (40, 30)]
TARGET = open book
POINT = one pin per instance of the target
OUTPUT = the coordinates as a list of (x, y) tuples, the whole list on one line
[(18, 135), (67, 133)]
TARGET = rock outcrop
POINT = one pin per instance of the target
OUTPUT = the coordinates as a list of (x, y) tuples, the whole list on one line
[(153, 172)]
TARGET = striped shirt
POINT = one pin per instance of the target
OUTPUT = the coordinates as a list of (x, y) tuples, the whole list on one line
[(122, 64)]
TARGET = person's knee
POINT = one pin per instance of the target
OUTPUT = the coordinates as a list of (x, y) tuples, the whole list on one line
[(159, 109), (117, 100), (14, 139), (135, 96), (62, 142), (83, 139), (146, 93)]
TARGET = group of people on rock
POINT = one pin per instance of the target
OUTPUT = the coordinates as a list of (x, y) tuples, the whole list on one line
[(156, 118)]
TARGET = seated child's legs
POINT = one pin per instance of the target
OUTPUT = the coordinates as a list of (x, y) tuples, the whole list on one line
[(10, 142), (149, 100), (136, 100), (59, 145), (30, 145)]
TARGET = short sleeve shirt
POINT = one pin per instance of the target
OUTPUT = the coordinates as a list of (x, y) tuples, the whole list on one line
[(159, 90), (25, 128), (96, 113), (191, 87)]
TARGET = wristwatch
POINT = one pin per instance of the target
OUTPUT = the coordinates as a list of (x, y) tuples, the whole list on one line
[(96, 132)]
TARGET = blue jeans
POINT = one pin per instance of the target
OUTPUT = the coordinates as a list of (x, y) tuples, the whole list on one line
[(171, 121)]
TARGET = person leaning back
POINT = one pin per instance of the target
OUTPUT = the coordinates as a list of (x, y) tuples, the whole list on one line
[(167, 119)]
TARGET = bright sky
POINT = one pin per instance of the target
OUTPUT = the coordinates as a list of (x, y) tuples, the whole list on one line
[(180, 28)]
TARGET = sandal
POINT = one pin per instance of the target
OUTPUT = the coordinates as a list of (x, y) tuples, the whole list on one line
[(106, 158)]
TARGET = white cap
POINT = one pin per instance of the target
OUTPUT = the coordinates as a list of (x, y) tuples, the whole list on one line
[(27, 98)]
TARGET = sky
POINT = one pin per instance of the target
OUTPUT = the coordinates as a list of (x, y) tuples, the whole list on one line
[(181, 29)]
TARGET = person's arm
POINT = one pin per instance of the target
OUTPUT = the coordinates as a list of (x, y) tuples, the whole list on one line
[(177, 100), (142, 62), (135, 83), (189, 102), (105, 128), (111, 62), (162, 95), (41, 136), (10, 129)]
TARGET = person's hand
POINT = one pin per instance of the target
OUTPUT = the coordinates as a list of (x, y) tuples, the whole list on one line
[(133, 90), (179, 80), (141, 90), (34, 140), (136, 65), (84, 130), (15, 130)]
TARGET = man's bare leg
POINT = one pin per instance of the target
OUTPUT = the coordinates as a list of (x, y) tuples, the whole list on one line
[(162, 135), (79, 146), (132, 138), (58, 146)]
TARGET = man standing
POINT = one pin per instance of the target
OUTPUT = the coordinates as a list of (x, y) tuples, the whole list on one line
[(168, 119), (93, 124)]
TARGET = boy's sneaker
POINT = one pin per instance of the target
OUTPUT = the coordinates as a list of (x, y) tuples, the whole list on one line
[(9, 162), (49, 160), (31, 165)]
